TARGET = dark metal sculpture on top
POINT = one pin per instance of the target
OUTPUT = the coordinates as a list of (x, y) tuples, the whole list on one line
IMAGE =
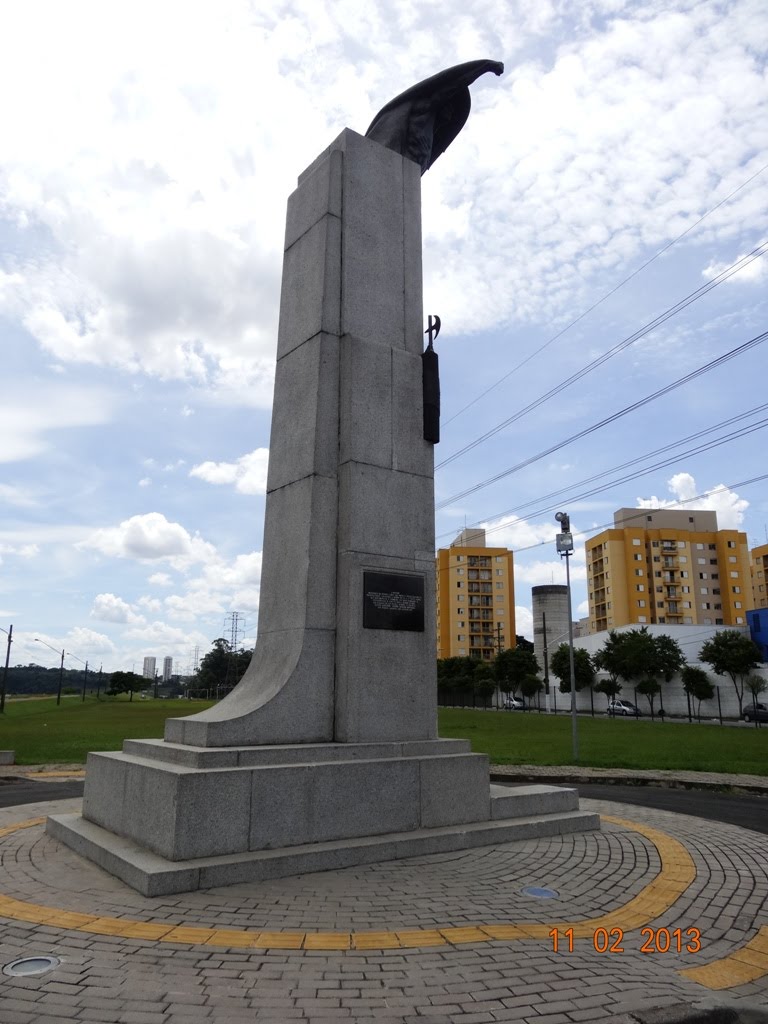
[(423, 121)]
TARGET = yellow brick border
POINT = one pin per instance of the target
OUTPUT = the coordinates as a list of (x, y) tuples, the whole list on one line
[(677, 872)]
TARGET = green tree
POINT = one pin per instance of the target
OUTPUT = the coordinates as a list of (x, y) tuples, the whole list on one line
[(697, 685), (127, 682), (531, 686), (512, 666), (222, 666), (611, 658), (523, 644), (731, 653), (756, 685), (483, 681), (583, 668), (610, 687), (642, 659)]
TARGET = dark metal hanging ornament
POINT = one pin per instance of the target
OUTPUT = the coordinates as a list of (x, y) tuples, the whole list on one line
[(430, 383)]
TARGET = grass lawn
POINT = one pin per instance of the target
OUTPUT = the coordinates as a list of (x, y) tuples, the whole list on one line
[(40, 732), (515, 738)]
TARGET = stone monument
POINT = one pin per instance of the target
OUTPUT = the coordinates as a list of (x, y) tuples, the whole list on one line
[(326, 753)]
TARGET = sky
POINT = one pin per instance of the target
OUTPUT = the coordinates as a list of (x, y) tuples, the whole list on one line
[(593, 210)]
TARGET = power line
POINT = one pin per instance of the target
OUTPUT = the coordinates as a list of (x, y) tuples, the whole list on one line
[(662, 318), (733, 435), (607, 296), (712, 365), (642, 512)]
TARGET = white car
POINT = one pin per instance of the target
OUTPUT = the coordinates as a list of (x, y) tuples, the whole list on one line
[(514, 703), (623, 707)]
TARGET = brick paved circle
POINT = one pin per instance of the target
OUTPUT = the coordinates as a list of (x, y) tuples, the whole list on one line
[(109, 978)]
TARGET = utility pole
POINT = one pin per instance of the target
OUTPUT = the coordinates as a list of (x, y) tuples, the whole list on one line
[(98, 684), (5, 672), (564, 542)]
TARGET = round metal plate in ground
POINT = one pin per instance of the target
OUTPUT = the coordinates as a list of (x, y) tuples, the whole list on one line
[(31, 965), (539, 893)]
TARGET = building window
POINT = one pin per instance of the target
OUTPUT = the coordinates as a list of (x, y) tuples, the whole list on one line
[(687, 620), (734, 575), (639, 586), (499, 572), (499, 586), (641, 618), (699, 547), (636, 542), (459, 584), (638, 572), (459, 572), (736, 590), (702, 576), (732, 558), (701, 561), (682, 560), (463, 650), (731, 543), (638, 558), (499, 558), (686, 604), (641, 604), (460, 597), (737, 604), (739, 620), (459, 558), (703, 590), (460, 637)]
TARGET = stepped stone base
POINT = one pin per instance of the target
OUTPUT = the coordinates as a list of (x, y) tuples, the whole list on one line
[(167, 817)]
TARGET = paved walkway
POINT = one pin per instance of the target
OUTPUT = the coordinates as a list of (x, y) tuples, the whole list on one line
[(658, 909)]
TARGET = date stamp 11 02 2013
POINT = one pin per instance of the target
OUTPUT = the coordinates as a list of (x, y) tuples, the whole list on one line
[(653, 940)]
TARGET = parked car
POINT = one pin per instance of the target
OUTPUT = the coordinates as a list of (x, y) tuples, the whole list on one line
[(755, 713), (623, 707), (515, 704)]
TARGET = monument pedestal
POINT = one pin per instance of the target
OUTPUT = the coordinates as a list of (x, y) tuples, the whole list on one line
[(326, 753), (169, 818)]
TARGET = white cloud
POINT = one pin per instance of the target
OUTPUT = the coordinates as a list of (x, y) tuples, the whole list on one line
[(145, 481), (86, 642), (752, 273), (20, 497), (165, 239), (730, 508), (32, 415), (111, 608), (524, 622), (159, 579), (20, 550), (248, 474), (151, 537)]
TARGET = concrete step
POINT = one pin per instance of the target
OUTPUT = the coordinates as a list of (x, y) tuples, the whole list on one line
[(527, 801), (187, 756), (153, 875)]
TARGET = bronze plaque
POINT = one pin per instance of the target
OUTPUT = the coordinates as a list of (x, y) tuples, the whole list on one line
[(393, 601)]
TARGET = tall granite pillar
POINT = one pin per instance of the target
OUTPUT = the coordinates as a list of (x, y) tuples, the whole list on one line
[(350, 484), (326, 753)]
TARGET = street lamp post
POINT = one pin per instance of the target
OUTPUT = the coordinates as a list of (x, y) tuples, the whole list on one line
[(9, 633), (564, 542), (61, 673)]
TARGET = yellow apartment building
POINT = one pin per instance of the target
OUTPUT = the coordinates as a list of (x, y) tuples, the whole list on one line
[(475, 598), (668, 566), (758, 562)]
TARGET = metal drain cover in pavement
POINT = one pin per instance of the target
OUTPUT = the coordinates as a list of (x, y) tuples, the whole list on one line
[(31, 965), (540, 894)]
